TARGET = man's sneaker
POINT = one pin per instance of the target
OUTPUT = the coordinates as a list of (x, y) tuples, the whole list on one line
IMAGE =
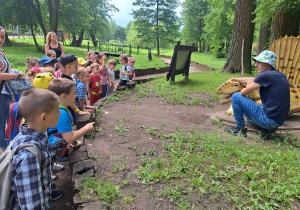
[(57, 194), (237, 131), (62, 159), (57, 167), (53, 177), (266, 133)]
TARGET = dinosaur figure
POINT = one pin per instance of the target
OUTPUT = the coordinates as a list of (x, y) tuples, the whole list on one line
[(231, 87)]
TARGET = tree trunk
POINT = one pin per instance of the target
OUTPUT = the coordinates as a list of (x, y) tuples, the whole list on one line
[(95, 43), (80, 39), (200, 46), (31, 27), (74, 41), (285, 23), (53, 11), (243, 28), (264, 37), (157, 31)]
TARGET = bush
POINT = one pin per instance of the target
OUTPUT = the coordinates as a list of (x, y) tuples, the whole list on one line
[(220, 54)]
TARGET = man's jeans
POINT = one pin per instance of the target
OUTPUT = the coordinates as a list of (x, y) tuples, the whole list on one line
[(4, 109), (244, 106)]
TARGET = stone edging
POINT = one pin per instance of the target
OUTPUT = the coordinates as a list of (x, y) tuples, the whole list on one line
[(80, 165)]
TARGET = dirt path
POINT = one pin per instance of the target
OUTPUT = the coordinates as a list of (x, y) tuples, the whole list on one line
[(121, 154)]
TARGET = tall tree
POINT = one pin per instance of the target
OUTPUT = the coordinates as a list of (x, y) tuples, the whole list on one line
[(285, 16), (193, 17), (264, 36), (156, 20), (53, 6), (120, 33), (243, 29), (219, 23)]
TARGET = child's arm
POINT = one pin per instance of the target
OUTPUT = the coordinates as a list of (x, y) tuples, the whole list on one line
[(81, 102), (109, 80), (72, 136), (103, 63)]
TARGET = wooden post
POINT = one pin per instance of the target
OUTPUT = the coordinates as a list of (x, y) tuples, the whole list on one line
[(88, 46), (242, 60), (129, 50)]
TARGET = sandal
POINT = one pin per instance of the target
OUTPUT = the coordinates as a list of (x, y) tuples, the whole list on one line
[(76, 144)]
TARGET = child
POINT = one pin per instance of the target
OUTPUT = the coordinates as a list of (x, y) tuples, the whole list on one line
[(131, 62), (104, 76), (69, 63), (81, 62), (94, 86), (83, 77), (31, 181), (63, 133), (51, 54), (32, 68), (125, 71), (111, 66), (91, 57)]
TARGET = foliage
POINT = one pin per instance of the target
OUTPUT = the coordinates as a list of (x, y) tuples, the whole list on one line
[(193, 17), (265, 9), (219, 23), (156, 20), (120, 34)]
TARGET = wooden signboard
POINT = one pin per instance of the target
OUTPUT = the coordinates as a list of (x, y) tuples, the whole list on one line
[(180, 63)]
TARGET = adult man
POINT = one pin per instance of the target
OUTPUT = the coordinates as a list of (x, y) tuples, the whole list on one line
[(275, 96)]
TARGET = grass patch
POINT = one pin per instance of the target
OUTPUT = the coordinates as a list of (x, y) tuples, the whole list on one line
[(184, 92), (98, 189), (223, 170), (24, 47)]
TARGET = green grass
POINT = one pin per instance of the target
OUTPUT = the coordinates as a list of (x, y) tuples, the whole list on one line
[(21, 49), (184, 92), (99, 190), (224, 171), (208, 59)]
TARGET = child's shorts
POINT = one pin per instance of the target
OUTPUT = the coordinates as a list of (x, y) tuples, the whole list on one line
[(94, 99)]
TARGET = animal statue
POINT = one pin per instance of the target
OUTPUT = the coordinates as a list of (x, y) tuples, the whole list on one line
[(231, 87), (42, 80), (287, 50)]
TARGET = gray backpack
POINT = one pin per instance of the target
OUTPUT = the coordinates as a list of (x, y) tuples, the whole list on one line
[(6, 167)]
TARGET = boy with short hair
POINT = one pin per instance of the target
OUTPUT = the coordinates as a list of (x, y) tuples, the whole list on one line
[(31, 182), (83, 78), (63, 133), (69, 63)]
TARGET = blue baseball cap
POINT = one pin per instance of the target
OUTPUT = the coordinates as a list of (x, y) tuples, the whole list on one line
[(45, 60)]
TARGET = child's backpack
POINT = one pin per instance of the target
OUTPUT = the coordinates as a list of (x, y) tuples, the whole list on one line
[(14, 120), (6, 173)]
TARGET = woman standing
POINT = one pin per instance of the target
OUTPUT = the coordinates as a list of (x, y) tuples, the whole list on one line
[(53, 44), (4, 97)]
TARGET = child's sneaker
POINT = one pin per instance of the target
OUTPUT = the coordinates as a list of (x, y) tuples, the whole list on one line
[(62, 159), (237, 131), (57, 167), (266, 133), (53, 177), (57, 194)]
